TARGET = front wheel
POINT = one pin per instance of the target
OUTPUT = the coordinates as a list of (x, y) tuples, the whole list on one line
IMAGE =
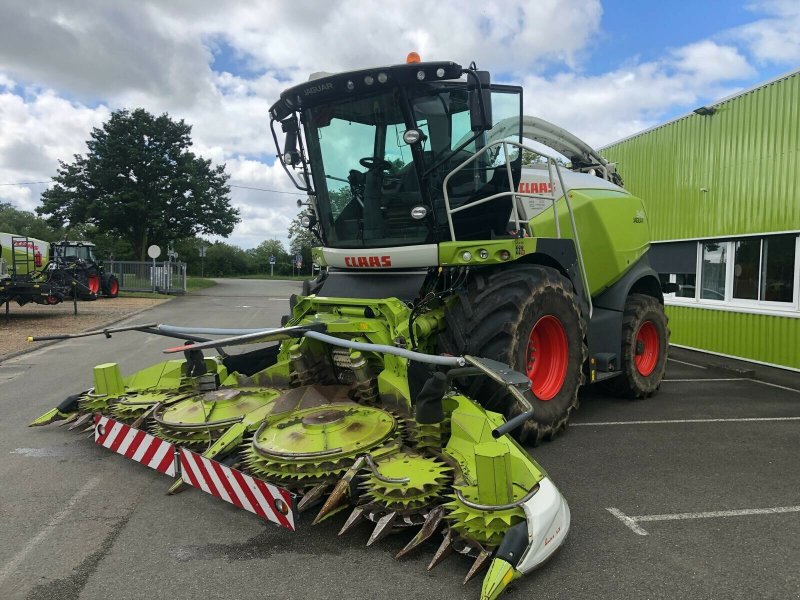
[(526, 316), (112, 287), (645, 339)]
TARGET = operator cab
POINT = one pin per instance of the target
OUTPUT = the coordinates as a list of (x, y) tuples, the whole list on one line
[(70, 252), (380, 142)]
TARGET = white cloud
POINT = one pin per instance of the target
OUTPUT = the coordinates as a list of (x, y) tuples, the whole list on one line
[(62, 69), (604, 108), (708, 62), (35, 134), (774, 38)]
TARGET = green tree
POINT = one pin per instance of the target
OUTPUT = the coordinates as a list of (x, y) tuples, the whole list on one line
[(225, 259), (23, 222), (261, 253), (140, 182), (301, 241)]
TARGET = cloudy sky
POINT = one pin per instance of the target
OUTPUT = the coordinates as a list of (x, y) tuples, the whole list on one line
[(603, 70)]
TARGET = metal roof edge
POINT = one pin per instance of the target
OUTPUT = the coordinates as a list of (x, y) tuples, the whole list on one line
[(715, 103)]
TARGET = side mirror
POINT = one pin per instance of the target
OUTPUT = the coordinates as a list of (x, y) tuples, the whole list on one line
[(290, 154), (480, 100)]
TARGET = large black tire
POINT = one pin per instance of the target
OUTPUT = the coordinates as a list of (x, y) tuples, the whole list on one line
[(90, 284), (495, 317), (111, 287), (645, 342)]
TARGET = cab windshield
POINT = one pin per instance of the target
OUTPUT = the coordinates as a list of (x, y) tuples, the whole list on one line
[(77, 253), (364, 174), (375, 190)]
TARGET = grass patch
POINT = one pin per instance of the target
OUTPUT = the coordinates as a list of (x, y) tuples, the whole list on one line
[(199, 283), (143, 295), (192, 285)]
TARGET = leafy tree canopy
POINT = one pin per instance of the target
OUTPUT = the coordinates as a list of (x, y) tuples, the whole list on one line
[(140, 182), (301, 241)]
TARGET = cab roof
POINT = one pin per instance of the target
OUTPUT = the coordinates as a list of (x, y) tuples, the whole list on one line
[(327, 87)]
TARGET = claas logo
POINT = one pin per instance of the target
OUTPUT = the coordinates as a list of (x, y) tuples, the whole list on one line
[(368, 262), (535, 187)]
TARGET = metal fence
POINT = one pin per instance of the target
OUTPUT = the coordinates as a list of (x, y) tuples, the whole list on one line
[(148, 276)]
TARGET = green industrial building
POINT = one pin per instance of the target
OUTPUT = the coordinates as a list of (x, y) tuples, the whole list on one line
[(721, 189)]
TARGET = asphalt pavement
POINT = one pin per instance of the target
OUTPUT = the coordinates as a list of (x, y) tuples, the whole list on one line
[(694, 493)]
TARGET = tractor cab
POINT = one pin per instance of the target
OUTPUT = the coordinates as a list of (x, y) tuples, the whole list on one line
[(373, 147), (67, 252)]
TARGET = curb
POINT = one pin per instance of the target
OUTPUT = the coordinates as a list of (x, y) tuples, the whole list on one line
[(41, 345)]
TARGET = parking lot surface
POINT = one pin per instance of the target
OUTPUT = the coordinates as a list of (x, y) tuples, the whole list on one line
[(694, 493)]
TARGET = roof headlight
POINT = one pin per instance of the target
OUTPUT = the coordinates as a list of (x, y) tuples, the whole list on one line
[(421, 75), (369, 80), (382, 77), (440, 72)]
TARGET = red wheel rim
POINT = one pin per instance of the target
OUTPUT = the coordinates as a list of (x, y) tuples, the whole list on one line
[(647, 348), (548, 357), (93, 284), (113, 287)]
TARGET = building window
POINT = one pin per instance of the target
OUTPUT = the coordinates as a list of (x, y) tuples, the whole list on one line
[(761, 272), (777, 268), (746, 263), (713, 270)]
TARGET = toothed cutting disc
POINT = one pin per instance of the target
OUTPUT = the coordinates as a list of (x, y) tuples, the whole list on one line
[(427, 479), (197, 421), (129, 407), (482, 526), (319, 443)]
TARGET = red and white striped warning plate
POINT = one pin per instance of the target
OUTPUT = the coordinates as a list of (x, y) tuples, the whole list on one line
[(135, 444), (263, 499)]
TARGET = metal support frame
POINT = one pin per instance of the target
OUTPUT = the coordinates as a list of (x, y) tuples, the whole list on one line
[(552, 165)]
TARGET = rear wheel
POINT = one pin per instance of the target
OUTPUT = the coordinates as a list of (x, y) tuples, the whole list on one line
[(527, 317), (93, 283), (645, 338), (112, 287)]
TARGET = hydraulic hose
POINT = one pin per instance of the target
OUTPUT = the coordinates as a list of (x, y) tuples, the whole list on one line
[(445, 361)]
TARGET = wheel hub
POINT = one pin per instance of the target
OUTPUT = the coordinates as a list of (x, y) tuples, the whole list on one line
[(647, 348), (547, 357)]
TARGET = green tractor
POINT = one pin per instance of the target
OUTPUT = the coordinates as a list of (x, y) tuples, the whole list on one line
[(463, 301), (77, 260)]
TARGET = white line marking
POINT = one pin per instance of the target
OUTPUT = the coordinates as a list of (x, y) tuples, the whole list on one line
[(629, 522), (775, 385), (687, 363), (632, 522), (670, 421), (715, 379), (11, 565)]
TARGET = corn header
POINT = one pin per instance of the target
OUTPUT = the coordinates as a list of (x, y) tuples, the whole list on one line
[(332, 421)]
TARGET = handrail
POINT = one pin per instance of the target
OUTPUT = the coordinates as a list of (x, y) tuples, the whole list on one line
[(516, 195)]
